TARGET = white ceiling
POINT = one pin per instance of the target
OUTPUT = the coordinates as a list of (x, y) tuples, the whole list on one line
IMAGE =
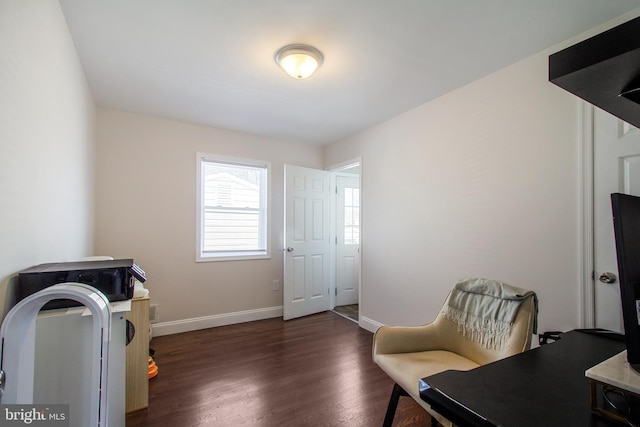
[(211, 61)]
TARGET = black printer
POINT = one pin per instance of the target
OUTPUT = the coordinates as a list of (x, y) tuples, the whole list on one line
[(114, 278)]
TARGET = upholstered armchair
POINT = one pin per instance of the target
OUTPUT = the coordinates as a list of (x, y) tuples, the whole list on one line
[(455, 341)]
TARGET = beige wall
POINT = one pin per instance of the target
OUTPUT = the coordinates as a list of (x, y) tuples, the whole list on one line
[(46, 142), (483, 181), (146, 210)]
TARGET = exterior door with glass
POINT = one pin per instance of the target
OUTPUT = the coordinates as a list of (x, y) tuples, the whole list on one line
[(347, 239)]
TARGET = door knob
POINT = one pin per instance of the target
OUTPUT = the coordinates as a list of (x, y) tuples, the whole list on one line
[(608, 278), (289, 249)]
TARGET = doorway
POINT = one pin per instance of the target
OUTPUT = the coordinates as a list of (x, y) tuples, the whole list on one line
[(610, 163), (346, 232), (616, 165), (322, 241)]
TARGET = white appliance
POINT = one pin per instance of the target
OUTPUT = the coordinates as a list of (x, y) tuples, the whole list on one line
[(19, 354)]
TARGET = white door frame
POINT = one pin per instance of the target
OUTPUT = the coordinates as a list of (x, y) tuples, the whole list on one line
[(586, 232), (332, 255)]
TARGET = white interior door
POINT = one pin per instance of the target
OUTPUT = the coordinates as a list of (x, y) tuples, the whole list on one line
[(307, 234), (616, 170), (347, 239)]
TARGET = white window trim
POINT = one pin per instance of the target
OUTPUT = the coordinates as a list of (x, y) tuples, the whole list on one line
[(230, 256)]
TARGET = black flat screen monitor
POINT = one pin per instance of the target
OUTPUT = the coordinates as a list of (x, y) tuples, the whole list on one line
[(626, 225)]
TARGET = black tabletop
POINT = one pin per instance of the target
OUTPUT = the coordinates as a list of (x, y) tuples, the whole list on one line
[(545, 386)]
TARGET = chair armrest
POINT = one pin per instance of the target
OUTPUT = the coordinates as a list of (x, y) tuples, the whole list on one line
[(406, 339)]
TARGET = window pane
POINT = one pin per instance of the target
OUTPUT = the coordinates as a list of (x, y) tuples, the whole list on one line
[(232, 186), (348, 196), (231, 231), (351, 216), (352, 236), (348, 216)]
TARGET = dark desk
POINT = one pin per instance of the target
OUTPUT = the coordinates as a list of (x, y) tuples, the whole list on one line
[(545, 386)]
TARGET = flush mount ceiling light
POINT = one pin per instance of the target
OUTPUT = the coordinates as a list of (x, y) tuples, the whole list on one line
[(299, 60)]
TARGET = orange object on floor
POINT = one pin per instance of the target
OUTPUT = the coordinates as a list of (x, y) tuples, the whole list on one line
[(153, 368)]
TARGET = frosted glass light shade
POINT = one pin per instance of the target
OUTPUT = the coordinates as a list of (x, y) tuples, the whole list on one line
[(299, 61)]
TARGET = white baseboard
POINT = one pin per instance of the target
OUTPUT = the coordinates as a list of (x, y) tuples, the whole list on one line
[(196, 323), (369, 324), (186, 325)]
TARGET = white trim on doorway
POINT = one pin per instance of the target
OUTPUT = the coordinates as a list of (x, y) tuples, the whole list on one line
[(586, 232), (345, 166)]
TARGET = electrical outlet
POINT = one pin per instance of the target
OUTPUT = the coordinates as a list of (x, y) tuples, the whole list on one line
[(276, 285), (154, 313)]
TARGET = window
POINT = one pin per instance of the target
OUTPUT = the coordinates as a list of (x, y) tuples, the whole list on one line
[(351, 216), (233, 208)]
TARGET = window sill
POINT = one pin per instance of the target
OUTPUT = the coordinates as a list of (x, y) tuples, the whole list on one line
[(233, 257)]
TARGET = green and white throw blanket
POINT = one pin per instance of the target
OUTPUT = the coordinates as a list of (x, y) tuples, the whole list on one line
[(485, 310)]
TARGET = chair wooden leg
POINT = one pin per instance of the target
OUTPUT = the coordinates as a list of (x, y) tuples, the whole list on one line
[(393, 404)]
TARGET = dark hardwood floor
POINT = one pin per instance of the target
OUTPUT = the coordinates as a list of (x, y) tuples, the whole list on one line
[(313, 371)]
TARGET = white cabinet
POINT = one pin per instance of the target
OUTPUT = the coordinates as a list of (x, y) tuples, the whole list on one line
[(63, 362)]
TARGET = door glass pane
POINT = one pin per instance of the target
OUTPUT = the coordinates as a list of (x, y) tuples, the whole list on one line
[(351, 216)]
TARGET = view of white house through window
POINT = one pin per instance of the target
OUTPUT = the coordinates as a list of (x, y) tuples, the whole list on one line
[(233, 211), (351, 216)]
